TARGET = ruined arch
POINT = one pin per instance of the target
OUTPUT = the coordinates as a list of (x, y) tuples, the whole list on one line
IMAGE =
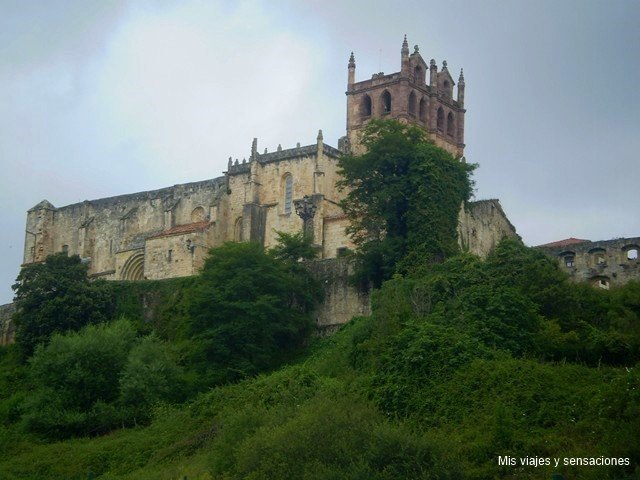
[(631, 252), (365, 106), (385, 101), (412, 104), (597, 256), (133, 268)]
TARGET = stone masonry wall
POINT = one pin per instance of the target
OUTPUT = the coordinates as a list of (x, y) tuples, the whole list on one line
[(7, 327), (481, 226), (604, 263), (342, 300)]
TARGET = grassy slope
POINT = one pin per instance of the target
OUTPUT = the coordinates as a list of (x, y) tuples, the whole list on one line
[(312, 420)]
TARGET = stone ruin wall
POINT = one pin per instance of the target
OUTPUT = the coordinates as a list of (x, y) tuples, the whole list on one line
[(604, 263), (481, 226)]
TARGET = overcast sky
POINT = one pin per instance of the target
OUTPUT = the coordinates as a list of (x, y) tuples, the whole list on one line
[(102, 98)]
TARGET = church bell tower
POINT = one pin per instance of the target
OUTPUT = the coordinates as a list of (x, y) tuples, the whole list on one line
[(406, 97)]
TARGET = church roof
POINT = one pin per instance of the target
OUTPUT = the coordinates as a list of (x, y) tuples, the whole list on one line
[(564, 243), (181, 229)]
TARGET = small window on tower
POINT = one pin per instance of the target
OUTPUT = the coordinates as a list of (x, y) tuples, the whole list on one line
[(65, 249)]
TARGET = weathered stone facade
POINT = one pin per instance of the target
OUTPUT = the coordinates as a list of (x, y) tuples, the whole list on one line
[(481, 226), (604, 264), (166, 233)]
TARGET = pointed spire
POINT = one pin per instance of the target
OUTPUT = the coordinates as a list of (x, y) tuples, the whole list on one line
[(320, 137), (230, 163), (444, 65), (405, 46), (461, 77), (352, 61), (254, 148), (279, 147)]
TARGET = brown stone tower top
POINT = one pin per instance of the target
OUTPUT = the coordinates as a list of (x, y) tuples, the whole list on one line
[(405, 96)]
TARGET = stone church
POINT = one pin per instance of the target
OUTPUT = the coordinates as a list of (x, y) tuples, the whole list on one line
[(167, 232)]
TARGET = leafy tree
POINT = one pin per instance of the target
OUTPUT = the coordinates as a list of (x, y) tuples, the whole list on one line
[(248, 310), (56, 296), (403, 199), (293, 247), (75, 374), (149, 376)]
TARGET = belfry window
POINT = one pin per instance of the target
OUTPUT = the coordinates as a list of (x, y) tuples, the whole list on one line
[(386, 102), (365, 106), (440, 121), (450, 125), (288, 193), (422, 110), (412, 104)]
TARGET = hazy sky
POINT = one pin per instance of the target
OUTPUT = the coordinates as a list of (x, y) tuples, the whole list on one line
[(102, 98)]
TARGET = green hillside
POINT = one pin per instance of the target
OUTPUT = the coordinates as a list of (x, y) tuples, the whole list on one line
[(466, 368)]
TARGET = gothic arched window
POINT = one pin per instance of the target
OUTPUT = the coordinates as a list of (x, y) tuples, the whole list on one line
[(440, 120), (412, 103), (418, 75), (288, 193), (422, 112), (451, 125), (386, 101)]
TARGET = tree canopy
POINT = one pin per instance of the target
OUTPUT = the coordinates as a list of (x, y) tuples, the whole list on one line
[(56, 296), (248, 310), (403, 197)]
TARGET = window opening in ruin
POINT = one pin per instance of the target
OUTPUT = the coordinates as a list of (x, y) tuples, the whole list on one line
[(569, 261), (169, 255), (365, 106), (632, 254), (600, 260), (342, 251), (65, 249), (288, 193), (440, 121), (386, 102), (603, 283), (450, 125)]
